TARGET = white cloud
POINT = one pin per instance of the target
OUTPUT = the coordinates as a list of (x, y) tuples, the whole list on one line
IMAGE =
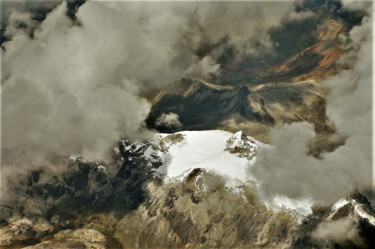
[(357, 4), (170, 120), (336, 231), (203, 67)]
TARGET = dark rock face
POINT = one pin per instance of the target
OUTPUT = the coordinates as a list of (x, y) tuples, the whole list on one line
[(5, 214), (200, 106)]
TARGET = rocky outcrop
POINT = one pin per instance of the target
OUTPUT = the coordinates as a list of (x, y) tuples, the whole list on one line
[(240, 145), (79, 239), (318, 61)]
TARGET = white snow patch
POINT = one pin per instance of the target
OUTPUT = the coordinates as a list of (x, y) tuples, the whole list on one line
[(148, 152), (361, 212), (138, 146), (236, 138), (339, 204), (205, 149), (154, 155), (102, 168), (75, 157), (302, 206), (239, 192), (201, 187)]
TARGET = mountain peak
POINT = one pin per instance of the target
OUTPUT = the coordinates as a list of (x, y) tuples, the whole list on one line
[(240, 145)]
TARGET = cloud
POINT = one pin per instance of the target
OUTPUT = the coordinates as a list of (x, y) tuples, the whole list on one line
[(20, 22), (36, 8), (242, 25), (357, 4), (295, 16), (63, 92), (203, 68), (170, 120), (337, 231), (285, 169)]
